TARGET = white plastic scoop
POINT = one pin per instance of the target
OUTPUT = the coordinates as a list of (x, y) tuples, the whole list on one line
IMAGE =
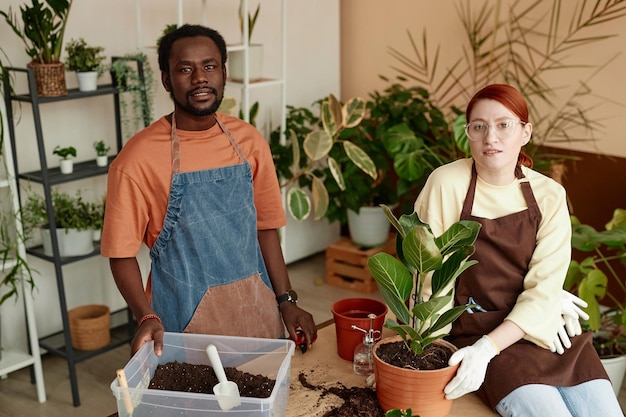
[(227, 392)]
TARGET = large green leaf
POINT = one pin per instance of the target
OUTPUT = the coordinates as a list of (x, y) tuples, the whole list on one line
[(460, 136), (335, 171), (449, 316), (295, 151), (298, 203), (331, 114), (451, 269), (353, 112), (591, 289), (394, 282), (460, 234), (317, 145), (420, 251), (425, 311), (320, 198), (411, 165), (360, 159)]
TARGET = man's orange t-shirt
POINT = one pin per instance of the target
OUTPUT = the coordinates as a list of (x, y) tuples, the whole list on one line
[(139, 180)]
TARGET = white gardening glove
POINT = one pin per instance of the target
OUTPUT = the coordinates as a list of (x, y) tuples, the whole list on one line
[(471, 374), (561, 340), (572, 313)]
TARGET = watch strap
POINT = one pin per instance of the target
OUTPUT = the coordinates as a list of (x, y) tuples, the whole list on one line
[(290, 296)]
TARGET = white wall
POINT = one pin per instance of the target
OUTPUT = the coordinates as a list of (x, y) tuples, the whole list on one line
[(312, 72)]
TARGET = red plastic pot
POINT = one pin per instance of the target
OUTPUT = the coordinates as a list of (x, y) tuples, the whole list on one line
[(354, 311)]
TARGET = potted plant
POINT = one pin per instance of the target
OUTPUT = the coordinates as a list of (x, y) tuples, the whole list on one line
[(42, 31), (421, 327), (598, 277), (102, 150), (300, 172), (407, 136), (72, 220), (86, 61), (236, 59), (66, 163)]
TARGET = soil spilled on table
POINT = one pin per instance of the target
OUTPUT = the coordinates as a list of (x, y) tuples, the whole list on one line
[(357, 401)]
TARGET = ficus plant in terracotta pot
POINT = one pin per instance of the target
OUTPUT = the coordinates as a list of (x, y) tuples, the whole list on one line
[(420, 324)]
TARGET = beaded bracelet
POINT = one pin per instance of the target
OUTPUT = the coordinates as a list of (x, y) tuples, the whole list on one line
[(148, 317)]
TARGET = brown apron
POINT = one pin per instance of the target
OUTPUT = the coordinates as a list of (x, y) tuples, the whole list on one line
[(504, 249)]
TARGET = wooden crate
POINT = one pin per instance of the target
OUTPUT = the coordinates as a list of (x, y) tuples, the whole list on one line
[(346, 264)]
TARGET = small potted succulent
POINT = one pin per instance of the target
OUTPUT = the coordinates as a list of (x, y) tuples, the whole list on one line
[(86, 61), (420, 327), (102, 150), (66, 163)]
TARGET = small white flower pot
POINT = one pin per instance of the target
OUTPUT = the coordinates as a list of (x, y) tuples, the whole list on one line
[(102, 160), (72, 242), (66, 166), (87, 81)]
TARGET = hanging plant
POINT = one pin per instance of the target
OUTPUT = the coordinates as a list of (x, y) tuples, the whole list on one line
[(132, 75)]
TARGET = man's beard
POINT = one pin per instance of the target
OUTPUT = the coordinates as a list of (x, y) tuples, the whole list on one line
[(187, 107)]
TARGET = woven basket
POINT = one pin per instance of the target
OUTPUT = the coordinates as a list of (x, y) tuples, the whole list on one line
[(50, 79), (90, 326)]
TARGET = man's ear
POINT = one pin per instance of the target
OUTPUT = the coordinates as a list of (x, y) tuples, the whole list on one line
[(165, 80)]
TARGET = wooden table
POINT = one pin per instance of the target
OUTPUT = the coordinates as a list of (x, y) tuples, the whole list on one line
[(322, 366)]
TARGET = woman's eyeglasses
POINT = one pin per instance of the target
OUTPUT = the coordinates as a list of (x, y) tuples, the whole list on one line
[(503, 129)]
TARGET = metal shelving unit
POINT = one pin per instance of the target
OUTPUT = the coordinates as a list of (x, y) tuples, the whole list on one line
[(121, 322)]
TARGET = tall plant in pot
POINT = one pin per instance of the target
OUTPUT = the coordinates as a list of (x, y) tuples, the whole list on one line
[(421, 323), (42, 30), (600, 278)]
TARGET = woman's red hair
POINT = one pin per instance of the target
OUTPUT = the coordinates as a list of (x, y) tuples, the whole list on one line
[(510, 98)]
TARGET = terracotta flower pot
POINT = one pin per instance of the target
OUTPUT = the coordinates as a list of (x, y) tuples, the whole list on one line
[(419, 390)]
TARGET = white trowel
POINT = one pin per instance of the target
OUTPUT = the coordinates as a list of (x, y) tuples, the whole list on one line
[(226, 392)]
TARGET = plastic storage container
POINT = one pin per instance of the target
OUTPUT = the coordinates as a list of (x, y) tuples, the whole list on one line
[(268, 357)]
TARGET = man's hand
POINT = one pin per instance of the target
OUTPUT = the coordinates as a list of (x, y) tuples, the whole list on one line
[(471, 374), (296, 318), (149, 330)]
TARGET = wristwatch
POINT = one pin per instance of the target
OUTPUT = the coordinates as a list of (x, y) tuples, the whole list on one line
[(290, 296)]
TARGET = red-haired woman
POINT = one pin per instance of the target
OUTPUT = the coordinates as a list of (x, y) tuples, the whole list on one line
[(523, 251)]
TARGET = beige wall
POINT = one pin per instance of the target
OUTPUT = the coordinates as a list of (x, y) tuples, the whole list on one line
[(370, 27)]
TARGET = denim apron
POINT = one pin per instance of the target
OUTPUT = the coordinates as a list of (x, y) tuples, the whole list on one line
[(503, 250), (208, 273)]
